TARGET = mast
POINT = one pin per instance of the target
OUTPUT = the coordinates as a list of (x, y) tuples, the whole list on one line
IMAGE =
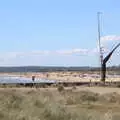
[(99, 41)]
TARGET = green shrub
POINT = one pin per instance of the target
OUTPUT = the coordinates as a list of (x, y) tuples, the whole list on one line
[(38, 104), (74, 88), (88, 96), (60, 88)]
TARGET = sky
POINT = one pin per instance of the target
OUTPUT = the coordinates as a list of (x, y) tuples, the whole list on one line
[(57, 32)]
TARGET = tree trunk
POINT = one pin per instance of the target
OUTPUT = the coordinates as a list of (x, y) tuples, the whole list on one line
[(103, 72)]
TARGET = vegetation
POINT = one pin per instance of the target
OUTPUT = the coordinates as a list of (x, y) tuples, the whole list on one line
[(54, 69), (60, 88), (50, 104)]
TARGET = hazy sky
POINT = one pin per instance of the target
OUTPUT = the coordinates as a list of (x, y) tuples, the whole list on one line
[(57, 32)]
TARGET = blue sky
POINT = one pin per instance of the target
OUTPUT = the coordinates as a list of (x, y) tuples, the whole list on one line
[(56, 32)]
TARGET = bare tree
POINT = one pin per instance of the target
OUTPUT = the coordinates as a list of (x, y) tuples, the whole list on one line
[(103, 60), (103, 66)]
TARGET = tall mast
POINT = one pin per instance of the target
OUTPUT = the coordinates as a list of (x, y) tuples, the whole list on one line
[(99, 39)]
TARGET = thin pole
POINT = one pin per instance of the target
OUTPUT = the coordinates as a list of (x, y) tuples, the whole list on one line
[(99, 39)]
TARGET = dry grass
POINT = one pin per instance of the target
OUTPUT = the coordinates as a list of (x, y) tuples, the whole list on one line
[(49, 104)]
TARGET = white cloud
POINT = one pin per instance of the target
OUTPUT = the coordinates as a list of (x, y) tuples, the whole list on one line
[(58, 57), (46, 57), (108, 42), (110, 38), (73, 51), (27, 54)]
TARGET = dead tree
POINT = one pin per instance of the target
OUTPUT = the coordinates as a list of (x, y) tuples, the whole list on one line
[(103, 66)]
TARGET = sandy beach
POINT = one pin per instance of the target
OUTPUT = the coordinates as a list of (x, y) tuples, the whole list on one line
[(65, 76)]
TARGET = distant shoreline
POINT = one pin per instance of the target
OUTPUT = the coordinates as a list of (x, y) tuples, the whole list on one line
[(55, 69)]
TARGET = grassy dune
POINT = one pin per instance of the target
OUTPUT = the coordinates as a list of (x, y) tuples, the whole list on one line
[(57, 104)]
